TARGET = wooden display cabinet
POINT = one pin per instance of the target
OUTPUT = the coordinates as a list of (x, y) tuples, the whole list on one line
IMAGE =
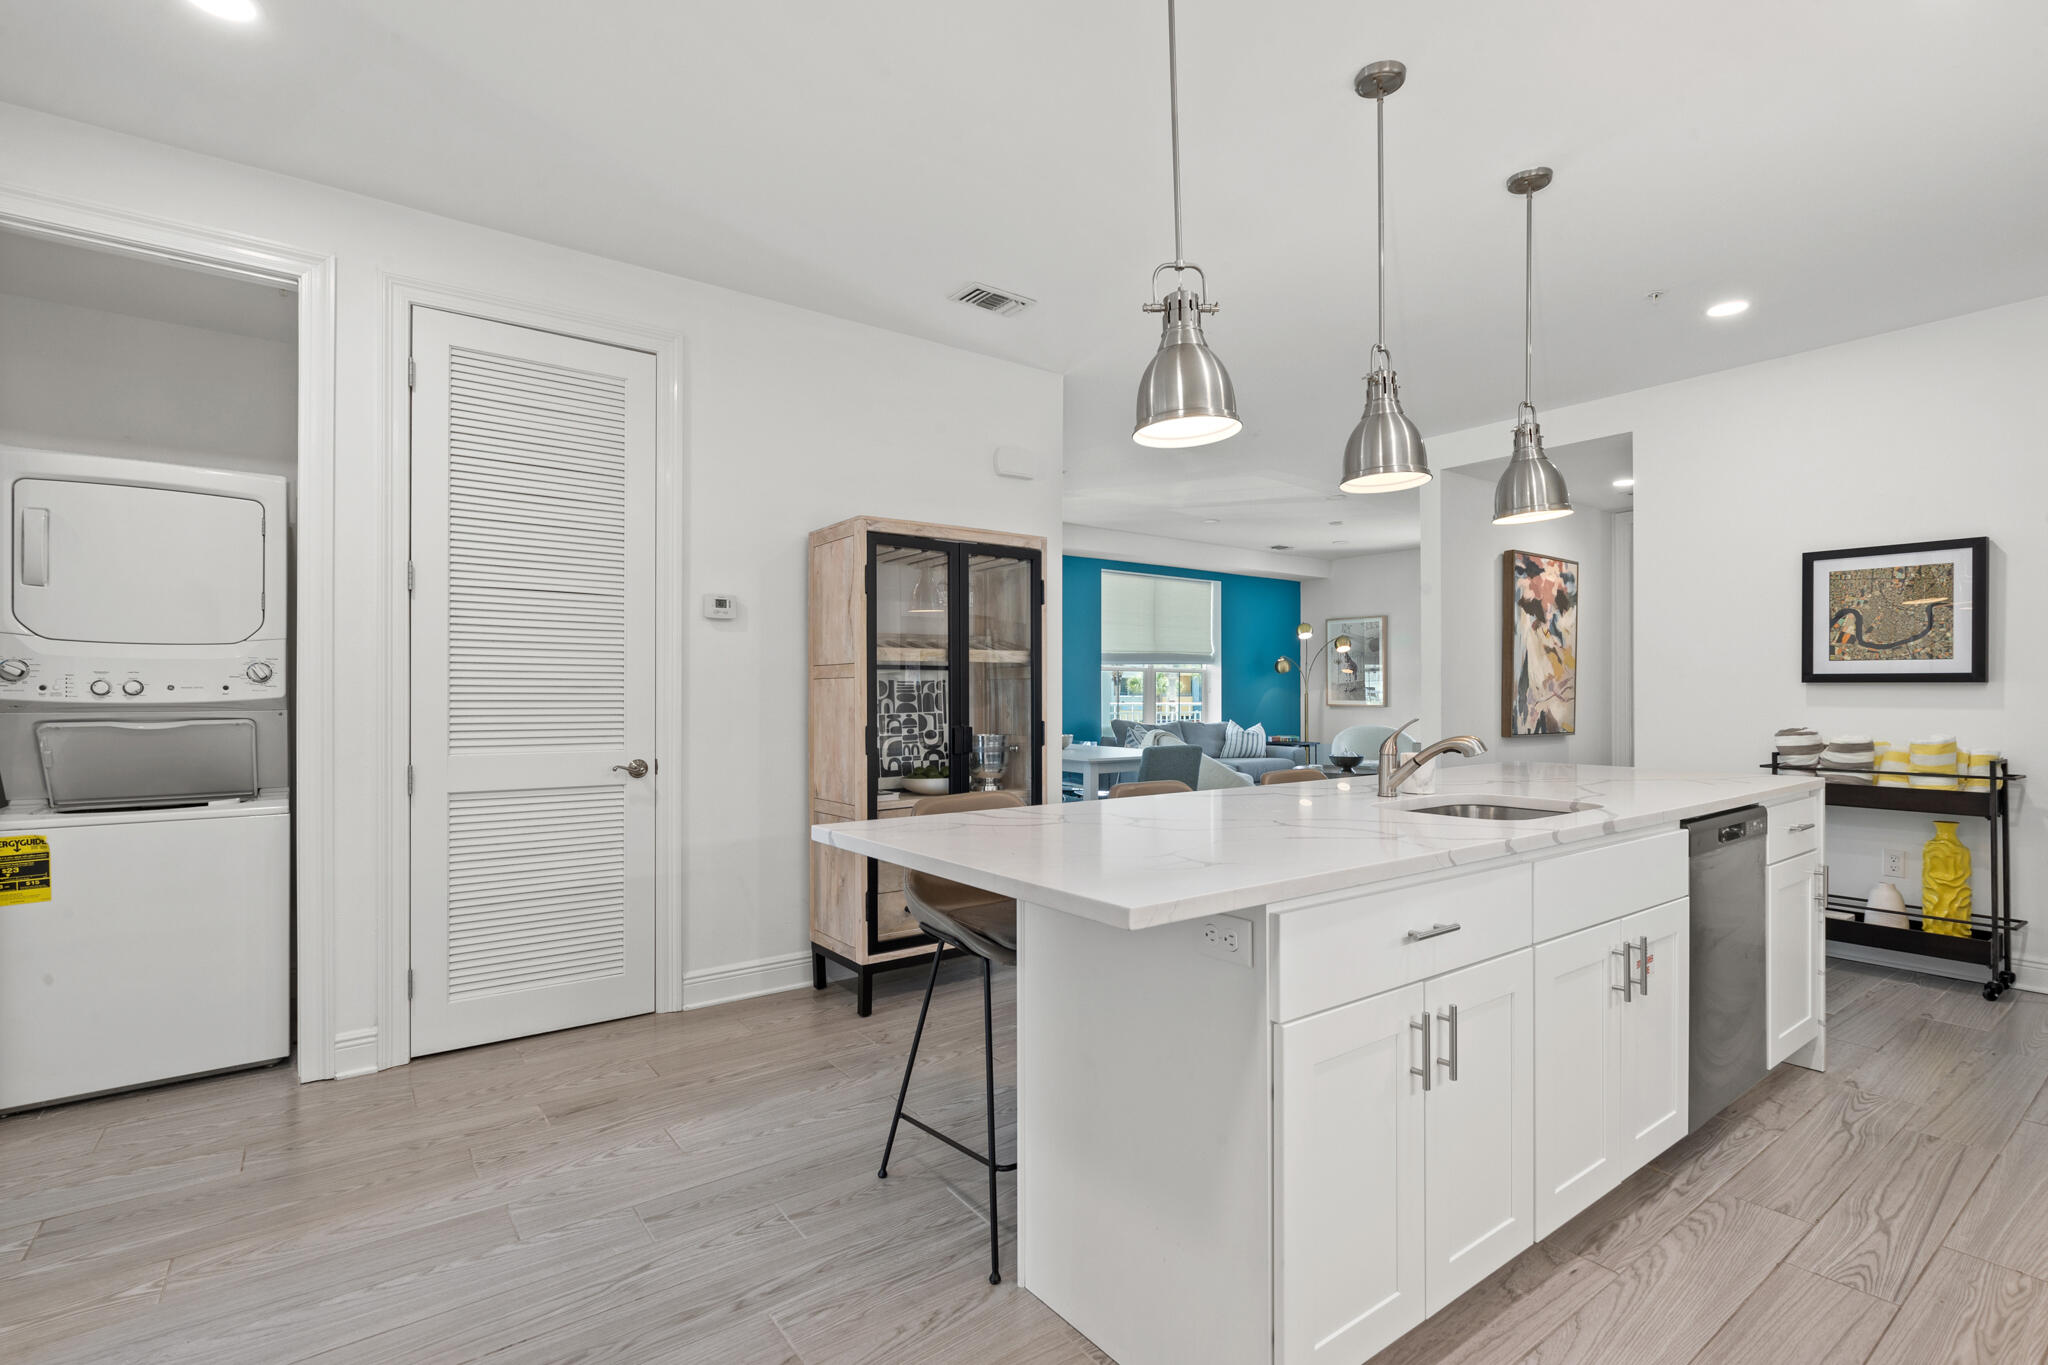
[(908, 673)]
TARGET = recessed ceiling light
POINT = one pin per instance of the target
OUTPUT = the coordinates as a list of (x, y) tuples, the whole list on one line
[(1728, 308), (1625, 483), (234, 11), (1212, 521), (1279, 547)]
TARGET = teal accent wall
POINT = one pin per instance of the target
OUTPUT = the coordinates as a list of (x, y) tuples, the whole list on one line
[(1259, 617)]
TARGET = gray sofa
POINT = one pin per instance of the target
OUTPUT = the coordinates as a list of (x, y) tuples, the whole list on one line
[(1209, 739)]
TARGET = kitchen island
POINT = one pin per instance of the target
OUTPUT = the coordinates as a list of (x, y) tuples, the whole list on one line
[(1298, 1065)]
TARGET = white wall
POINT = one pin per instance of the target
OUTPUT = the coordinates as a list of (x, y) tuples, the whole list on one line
[(1388, 584), (1469, 596), (1927, 433), (105, 383), (791, 420)]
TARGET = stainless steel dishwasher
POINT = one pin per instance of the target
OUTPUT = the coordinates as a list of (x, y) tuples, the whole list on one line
[(1727, 886)]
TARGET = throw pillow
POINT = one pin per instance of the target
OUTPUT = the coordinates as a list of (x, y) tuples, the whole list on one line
[(1213, 775), (1242, 743)]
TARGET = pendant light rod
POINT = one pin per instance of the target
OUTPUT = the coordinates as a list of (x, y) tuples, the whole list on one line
[(1380, 163), (1173, 106), (1375, 82), (1526, 183)]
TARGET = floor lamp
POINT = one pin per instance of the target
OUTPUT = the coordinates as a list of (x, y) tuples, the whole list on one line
[(1283, 664)]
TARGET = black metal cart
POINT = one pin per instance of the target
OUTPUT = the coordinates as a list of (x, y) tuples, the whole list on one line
[(1990, 936)]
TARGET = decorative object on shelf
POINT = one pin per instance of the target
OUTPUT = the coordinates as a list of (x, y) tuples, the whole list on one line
[(1347, 762), (910, 718), (928, 594), (1185, 398), (1945, 882), (1357, 672), (1539, 692), (1798, 747), (1886, 907), (1894, 765), (1849, 758), (1530, 488), (1896, 613), (1934, 762), (991, 757), (1977, 769), (1385, 452)]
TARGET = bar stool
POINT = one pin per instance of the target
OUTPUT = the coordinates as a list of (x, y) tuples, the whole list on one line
[(981, 924), (1163, 787), (1293, 775)]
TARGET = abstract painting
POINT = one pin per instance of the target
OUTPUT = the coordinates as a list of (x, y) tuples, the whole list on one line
[(1895, 613), (910, 718), (1540, 645), (1358, 678)]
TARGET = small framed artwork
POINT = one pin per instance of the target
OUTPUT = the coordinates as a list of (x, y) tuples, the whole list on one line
[(1896, 613), (1539, 688), (1358, 678)]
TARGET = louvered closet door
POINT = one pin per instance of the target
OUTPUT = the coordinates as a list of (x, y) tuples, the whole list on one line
[(532, 681)]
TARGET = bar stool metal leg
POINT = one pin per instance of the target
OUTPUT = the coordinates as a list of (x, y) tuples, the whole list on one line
[(903, 1092), (988, 1055)]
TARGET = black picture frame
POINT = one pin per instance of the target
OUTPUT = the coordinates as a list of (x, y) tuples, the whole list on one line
[(1974, 621)]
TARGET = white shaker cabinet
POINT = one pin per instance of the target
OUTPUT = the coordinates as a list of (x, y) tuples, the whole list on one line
[(1350, 1178), (1479, 1130), (1792, 982), (1613, 1067)]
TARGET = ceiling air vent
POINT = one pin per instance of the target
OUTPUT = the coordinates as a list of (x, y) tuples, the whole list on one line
[(991, 300)]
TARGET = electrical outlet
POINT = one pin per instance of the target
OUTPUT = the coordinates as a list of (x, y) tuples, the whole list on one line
[(1894, 864), (1226, 937)]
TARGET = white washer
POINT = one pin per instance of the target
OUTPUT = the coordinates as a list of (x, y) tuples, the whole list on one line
[(144, 739), (164, 949)]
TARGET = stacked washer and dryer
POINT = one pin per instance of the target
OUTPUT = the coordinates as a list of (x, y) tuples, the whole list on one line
[(145, 847)]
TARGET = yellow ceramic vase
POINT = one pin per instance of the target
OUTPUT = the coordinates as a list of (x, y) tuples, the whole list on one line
[(1945, 882)]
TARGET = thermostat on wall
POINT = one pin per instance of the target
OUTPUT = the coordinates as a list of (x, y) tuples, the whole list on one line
[(721, 606)]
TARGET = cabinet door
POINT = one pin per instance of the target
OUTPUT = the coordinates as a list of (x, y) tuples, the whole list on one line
[(1348, 1196), (1656, 1033), (1578, 1073), (1791, 989), (1479, 1210)]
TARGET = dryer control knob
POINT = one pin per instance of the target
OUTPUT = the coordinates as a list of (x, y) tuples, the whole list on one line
[(12, 670), (133, 687), (259, 672), (100, 687)]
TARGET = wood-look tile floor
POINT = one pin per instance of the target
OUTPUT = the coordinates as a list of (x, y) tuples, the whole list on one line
[(701, 1188)]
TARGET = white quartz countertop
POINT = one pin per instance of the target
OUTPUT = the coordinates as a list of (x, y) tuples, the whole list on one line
[(1150, 860)]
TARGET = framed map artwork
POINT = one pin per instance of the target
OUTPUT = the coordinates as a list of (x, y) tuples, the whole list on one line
[(1896, 613)]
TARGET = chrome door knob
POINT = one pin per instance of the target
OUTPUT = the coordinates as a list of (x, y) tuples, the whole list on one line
[(100, 687), (259, 672), (133, 687), (12, 670), (637, 768)]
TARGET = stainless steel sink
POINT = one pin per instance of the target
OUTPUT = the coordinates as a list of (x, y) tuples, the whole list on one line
[(1477, 810)]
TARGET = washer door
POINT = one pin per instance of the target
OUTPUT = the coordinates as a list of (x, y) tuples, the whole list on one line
[(113, 563)]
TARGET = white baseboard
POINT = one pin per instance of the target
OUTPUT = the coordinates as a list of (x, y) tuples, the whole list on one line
[(355, 1052), (2031, 973), (743, 980)]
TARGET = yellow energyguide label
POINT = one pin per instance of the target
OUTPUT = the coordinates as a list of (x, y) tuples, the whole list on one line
[(24, 869)]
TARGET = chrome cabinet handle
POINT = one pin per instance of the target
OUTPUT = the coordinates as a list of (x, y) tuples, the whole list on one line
[(1628, 973), (1450, 1018), (1433, 931), (637, 768), (1644, 959), (1425, 1070), (1800, 829)]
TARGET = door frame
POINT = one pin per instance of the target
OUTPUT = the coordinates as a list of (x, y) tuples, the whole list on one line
[(394, 951), (314, 798)]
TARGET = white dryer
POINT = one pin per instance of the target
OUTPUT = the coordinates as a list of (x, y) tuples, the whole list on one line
[(145, 852)]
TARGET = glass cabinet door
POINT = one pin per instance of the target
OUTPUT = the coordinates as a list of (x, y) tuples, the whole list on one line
[(911, 705), (1001, 680)]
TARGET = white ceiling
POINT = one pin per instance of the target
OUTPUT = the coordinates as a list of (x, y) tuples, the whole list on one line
[(1853, 168)]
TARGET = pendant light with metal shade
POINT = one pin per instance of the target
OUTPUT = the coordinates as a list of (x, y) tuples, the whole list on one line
[(1185, 398), (1384, 454), (1532, 489)]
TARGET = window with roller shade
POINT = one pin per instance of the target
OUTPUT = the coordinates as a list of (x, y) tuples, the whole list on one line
[(1160, 646)]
